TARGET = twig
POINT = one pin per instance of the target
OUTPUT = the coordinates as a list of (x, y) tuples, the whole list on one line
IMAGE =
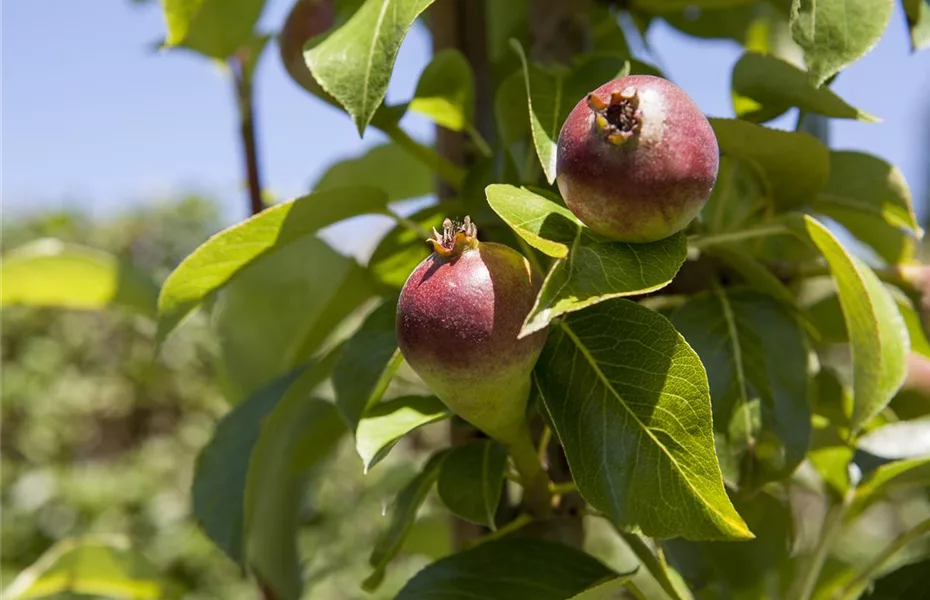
[(246, 105)]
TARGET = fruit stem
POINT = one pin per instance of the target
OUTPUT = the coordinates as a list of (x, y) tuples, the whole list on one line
[(535, 481)]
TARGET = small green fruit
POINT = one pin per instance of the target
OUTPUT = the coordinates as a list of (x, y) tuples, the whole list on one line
[(458, 318)]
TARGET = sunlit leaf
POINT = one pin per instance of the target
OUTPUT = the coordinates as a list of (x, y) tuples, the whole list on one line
[(836, 33), (796, 165), (630, 403), (471, 480), (877, 332), (872, 200), (777, 84), (216, 28), (755, 354), (402, 249), (918, 21), (94, 566), (387, 167), (354, 63), (903, 473), (446, 91), (588, 270), (508, 569), (384, 424), (48, 272), (278, 311), (904, 439), (211, 266)]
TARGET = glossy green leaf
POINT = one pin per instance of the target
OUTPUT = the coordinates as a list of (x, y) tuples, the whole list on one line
[(770, 83), (915, 327), (877, 332), (836, 33), (218, 260), (471, 480), (508, 569), (795, 165), (402, 514), (872, 200), (48, 272), (918, 21), (216, 28), (384, 424), (630, 403), (279, 311), (90, 566), (446, 91), (402, 249), (354, 63), (296, 437), (904, 439), (388, 167), (589, 270), (887, 477), (755, 354), (369, 360), (222, 467)]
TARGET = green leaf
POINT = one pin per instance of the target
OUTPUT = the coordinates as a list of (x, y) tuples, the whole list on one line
[(770, 83), (918, 21), (553, 93), (547, 105), (384, 424), (721, 22), (796, 165), (402, 515), (508, 569), (94, 566), (755, 354), (739, 197), (611, 590), (216, 28), (872, 200), (388, 167), (630, 403), (904, 439), (48, 272), (222, 467), (471, 480), (887, 477), (740, 570), (218, 260), (283, 309), (369, 361), (402, 249), (912, 320), (298, 435), (754, 273), (589, 270), (877, 333), (836, 33), (446, 91), (354, 63)]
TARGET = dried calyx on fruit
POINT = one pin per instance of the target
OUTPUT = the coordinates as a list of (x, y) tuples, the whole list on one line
[(458, 319), (636, 159)]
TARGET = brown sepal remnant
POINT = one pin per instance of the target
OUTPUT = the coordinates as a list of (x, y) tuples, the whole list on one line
[(455, 238), (620, 118)]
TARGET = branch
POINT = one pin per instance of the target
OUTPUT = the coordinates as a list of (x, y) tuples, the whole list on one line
[(245, 104)]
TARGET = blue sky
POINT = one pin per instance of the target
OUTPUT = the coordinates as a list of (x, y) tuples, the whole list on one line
[(93, 117)]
